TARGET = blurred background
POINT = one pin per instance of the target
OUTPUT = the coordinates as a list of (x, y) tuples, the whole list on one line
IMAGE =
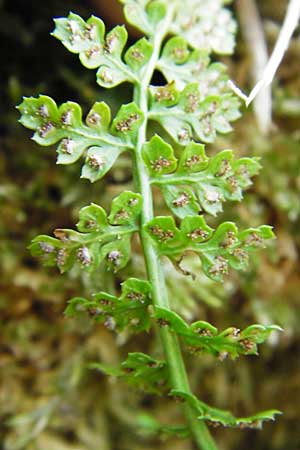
[(49, 399)]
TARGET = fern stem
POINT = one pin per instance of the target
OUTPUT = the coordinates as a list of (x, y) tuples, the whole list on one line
[(178, 375)]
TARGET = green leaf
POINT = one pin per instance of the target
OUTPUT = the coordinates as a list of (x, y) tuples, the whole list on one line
[(145, 15), (77, 35), (140, 371), (98, 162), (206, 25), (41, 114), (135, 289), (186, 115), (116, 253), (165, 317), (136, 15), (64, 124), (222, 251), (175, 51), (244, 169), (219, 417), (70, 150), (46, 248), (202, 337), (138, 54), (99, 116), (116, 40), (203, 24), (193, 159), (79, 305), (195, 229), (230, 248), (92, 218), (258, 333), (95, 241), (59, 255), (253, 238), (164, 232), (127, 312), (183, 65), (204, 328), (181, 201), (35, 111), (220, 164), (156, 11), (257, 420), (218, 250), (210, 198), (159, 156), (125, 208), (127, 122), (95, 50), (225, 236), (166, 95), (213, 180)]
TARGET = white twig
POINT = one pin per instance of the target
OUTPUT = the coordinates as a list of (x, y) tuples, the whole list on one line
[(289, 25), (237, 91)]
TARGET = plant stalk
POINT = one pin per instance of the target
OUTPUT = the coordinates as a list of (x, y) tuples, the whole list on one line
[(177, 371)]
